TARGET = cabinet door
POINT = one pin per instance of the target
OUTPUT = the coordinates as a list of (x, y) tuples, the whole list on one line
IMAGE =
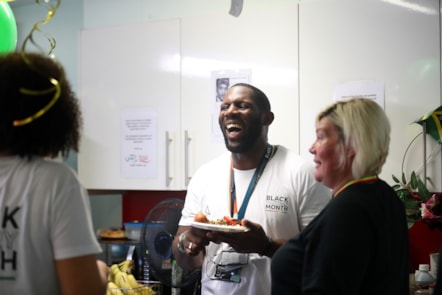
[(132, 68), (262, 40)]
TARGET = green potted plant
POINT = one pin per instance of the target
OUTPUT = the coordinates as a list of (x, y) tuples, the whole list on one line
[(412, 192), (418, 201)]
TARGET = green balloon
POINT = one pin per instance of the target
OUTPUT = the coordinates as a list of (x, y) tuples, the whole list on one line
[(8, 28)]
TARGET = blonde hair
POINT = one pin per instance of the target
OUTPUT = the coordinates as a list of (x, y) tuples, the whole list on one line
[(365, 128)]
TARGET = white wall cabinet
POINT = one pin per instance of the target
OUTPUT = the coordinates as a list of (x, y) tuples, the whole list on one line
[(129, 67), (263, 40), (166, 66)]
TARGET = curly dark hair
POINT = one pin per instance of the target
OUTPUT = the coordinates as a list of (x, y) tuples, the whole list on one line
[(57, 131)]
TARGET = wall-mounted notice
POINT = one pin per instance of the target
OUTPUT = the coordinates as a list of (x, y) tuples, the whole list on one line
[(368, 89), (221, 81), (138, 143)]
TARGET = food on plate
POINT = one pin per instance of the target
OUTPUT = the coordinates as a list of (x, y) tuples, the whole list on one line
[(201, 217), (112, 233), (231, 221)]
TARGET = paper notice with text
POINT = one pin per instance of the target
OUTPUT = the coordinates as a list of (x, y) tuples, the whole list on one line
[(138, 143)]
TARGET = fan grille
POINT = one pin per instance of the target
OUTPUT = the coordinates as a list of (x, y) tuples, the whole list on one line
[(158, 232)]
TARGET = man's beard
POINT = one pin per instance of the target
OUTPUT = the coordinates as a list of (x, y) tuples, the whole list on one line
[(250, 137)]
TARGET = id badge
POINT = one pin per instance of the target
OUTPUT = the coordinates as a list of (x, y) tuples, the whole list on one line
[(227, 265), (229, 273)]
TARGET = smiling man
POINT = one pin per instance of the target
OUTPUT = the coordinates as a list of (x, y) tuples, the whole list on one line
[(269, 188)]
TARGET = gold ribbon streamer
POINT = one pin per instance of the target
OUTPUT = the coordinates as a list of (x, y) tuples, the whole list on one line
[(51, 11), (56, 84)]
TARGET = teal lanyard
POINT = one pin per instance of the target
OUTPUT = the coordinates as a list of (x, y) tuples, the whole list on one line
[(256, 176)]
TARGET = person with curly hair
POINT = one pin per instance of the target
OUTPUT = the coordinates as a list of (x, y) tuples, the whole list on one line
[(47, 241)]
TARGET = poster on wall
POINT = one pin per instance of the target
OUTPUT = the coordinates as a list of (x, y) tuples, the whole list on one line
[(221, 80), (138, 143), (368, 89)]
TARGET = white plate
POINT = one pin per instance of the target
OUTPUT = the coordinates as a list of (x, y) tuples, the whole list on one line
[(219, 227)]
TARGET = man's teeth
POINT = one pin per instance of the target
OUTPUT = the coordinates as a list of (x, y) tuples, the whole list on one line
[(233, 127)]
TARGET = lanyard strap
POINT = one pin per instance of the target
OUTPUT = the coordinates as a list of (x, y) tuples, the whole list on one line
[(270, 151)]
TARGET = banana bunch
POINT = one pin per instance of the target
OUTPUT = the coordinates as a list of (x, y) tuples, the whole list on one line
[(121, 281), (126, 266)]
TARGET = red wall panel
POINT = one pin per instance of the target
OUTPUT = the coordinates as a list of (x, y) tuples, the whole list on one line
[(137, 204)]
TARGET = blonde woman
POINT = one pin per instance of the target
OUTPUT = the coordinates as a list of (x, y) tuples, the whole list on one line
[(359, 243)]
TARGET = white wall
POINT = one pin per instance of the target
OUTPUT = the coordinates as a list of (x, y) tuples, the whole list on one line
[(64, 27), (349, 40), (97, 12)]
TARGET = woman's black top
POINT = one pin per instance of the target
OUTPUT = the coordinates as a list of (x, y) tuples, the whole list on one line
[(357, 245)]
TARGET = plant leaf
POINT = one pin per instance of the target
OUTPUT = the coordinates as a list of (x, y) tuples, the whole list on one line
[(423, 191), (411, 194), (404, 180), (414, 180), (396, 186)]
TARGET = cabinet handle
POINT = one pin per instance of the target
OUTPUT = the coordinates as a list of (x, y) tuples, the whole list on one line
[(187, 140), (168, 142)]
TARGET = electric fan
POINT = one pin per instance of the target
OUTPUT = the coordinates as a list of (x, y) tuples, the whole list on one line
[(158, 232)]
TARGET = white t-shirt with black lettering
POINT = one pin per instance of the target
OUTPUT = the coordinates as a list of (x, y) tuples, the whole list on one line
[(285, 199), (44, 216)]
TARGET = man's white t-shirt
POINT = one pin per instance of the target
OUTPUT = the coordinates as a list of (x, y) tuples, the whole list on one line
[(285, 199)]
